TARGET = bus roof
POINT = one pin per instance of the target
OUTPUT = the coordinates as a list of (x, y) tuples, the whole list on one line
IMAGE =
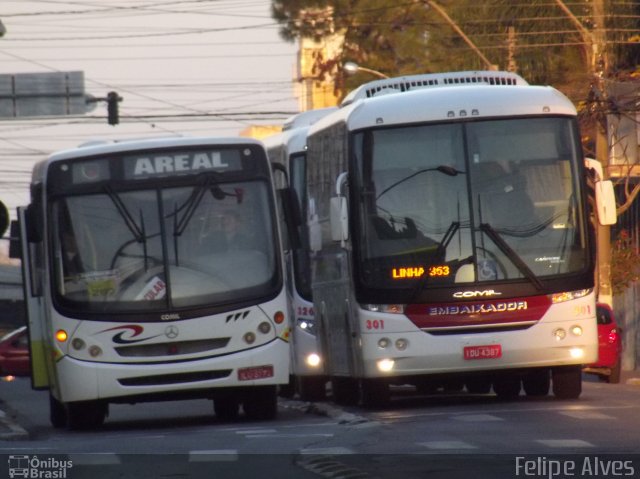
[(432, 80), (294, 141), (117, 146), (449, 103), (306, 118)]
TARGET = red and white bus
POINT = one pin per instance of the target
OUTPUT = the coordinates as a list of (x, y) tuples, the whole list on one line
[(153, 270), (451, 239)]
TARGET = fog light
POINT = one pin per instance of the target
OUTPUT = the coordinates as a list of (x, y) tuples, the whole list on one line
[(576, 330), (264, 327), (559, 334), (384, 343), (78, 344), (313, 360), (249, 338), (576, 353), (402, 344), (95, 351), (385, 365)]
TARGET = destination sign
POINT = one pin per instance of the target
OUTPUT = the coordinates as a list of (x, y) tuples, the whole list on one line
[(166, 163)]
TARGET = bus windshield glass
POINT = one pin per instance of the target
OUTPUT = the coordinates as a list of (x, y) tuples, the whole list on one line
[(469, 202), (160, 248)]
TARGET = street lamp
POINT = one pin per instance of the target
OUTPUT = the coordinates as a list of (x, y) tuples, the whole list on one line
[(351, 68)]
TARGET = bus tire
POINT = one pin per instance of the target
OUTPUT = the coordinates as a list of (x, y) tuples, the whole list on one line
[(374, 392), (345, 391), (226, 406), (57, 413), (312, 388), (507, 386), (478, 385), (567, 382), (536, 382), (261, 403), (82, 415)]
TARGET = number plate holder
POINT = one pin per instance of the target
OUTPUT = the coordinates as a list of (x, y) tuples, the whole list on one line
[(486, 351), (256, 372)]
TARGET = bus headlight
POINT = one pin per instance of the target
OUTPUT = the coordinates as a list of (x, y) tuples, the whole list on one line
[(308, 325), (402, 344), (559, 334), (264, 327), (385, 365), (383, 343), (78, 344), (95, 351), (576, 330), (249, 337), (313, 360)]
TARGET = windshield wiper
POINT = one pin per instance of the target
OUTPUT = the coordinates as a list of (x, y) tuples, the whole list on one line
[(445, 169), (138, 232), (511, 254)]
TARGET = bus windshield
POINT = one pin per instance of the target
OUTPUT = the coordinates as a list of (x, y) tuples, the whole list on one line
[(469, 202), (165, 247)]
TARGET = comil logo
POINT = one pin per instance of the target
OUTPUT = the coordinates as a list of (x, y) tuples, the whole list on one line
[(476, 294), (33, 467)]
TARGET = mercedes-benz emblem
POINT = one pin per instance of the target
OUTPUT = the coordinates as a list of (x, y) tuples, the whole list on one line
[(171, 332)]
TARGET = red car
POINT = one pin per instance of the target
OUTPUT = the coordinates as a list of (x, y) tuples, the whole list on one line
[(14, 353), (609, 346)]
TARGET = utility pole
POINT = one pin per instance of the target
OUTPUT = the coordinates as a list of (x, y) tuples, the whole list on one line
[(511, 49)]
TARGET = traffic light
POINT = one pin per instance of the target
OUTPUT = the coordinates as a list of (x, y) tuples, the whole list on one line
[(112, 107)]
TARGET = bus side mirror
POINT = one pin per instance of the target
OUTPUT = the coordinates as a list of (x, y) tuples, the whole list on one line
[(605, 202), (4, 218), (15, 248)]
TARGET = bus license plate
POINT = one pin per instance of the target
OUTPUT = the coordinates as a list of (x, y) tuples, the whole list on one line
[(490, 351), (258, 372)]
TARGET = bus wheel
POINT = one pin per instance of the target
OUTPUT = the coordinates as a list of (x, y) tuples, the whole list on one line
[(288, 390), (57, 413), (507, 386), (261, 403), (567, 382), (86, 414), (312, 388), (536, 382), (478, 385), (374, 392), (345, 391), (226, 406)]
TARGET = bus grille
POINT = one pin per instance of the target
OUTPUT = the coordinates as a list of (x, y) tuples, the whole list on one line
[(166, 379), (172, 348)]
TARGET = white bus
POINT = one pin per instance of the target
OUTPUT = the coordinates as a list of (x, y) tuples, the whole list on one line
[(307, 367), (152, 271), (451, 241)]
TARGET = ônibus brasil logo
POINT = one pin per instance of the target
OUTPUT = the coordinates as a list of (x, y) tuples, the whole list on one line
[(33, 467)]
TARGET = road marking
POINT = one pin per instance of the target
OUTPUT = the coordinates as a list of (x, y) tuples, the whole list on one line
[(446, 445), (214, 455), (477, 417), (560, 443), (284, 435), (94, 459), (257, 431), (586, 415), (326, 451)]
